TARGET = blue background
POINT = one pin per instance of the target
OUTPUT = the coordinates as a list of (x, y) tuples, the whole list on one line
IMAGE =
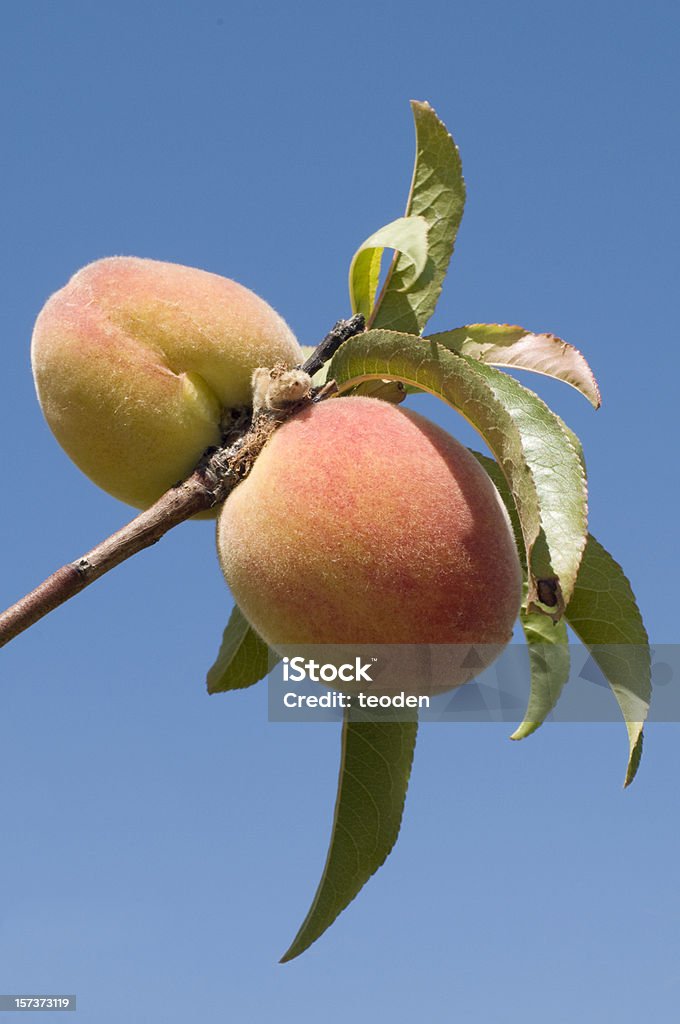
[(159, 847)]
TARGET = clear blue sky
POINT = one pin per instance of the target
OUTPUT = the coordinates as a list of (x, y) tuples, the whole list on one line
[(159, 847)]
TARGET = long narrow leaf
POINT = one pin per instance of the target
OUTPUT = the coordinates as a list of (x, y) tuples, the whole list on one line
[(438, 195), (558, 473), (547, 640), (549, 665), (374, 772), (604, 614)]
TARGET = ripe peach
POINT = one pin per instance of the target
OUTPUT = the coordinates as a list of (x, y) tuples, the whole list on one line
[(135, 362), (361, 523)]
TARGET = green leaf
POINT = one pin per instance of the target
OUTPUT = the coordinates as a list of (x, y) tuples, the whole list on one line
[(374, 773), (407, 236), (529, 442), (549, 664), (244, 658), (504, 345), (547, 640), (604, 615), (560, 482), (438, 195), (388, 390)]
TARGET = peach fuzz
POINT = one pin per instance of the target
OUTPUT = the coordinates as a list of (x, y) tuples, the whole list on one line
[(362, 523), (136, 360)]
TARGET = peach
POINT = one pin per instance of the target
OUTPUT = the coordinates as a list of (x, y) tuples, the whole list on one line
[(136, 361), (361, 523)]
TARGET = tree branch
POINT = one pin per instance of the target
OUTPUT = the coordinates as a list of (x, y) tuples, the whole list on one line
[(327, 348), (216, 475)]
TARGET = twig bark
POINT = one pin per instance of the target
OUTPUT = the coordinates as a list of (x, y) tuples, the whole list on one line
[(216, 475), (329, 345)]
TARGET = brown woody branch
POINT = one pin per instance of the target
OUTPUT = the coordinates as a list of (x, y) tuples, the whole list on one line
[(216, 475)]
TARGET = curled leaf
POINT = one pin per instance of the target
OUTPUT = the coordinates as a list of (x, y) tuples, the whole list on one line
[(408, 237), (515, 347)]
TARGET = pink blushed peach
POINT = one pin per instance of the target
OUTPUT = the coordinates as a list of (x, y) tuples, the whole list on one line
[(361, 523)]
